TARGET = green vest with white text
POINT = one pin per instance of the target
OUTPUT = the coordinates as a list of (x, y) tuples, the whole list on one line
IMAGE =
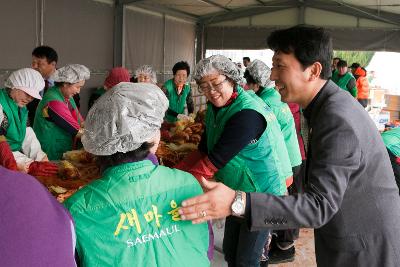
[(257, 167), (129, 217)]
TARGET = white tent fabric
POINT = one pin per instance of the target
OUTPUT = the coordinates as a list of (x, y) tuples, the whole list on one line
[(385, 68), (343, 38), (162, 32)]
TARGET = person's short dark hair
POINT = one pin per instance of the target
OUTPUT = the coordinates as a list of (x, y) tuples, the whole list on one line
[(246, 58), (355, 65), (181, 65), (341, 63), (308, 44), (118, 158), (45, 52), (336, 58), (60, 84), (248, 77)]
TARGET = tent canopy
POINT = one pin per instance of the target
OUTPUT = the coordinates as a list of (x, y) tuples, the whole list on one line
[(105, 33), (244, 24)]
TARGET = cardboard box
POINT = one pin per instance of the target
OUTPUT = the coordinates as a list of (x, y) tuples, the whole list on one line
[(380, 118), (377, 97)]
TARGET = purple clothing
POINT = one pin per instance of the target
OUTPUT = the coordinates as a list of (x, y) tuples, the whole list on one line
[(152, 158), (35, 229)]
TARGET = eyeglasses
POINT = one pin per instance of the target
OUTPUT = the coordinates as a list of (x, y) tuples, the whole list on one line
[(216, 87)]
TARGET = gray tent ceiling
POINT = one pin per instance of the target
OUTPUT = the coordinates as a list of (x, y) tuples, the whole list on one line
[(213, 11), (244, 24)]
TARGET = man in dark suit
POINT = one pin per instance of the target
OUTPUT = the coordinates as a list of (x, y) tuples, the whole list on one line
[(350, 195)]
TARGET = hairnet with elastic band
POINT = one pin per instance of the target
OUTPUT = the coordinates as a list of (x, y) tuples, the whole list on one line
[(124, 118), (261, 73), (28, 80), (218, 63), (147, 70), (71, 74)]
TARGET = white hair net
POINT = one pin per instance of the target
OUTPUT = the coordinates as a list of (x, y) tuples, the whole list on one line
[(71, 74), (147, 70), (261, 73), (28, 80), (221, 64), (124, 118)]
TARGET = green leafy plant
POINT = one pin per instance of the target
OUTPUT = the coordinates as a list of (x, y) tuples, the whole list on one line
[(361, 57)]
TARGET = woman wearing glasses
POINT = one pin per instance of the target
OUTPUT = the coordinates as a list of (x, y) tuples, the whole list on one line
[(239, 147)]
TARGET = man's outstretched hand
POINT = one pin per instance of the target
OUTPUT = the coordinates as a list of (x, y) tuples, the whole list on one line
[(215, 203)]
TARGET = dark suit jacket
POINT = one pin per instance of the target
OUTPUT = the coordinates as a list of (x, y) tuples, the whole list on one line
[(351, 198)]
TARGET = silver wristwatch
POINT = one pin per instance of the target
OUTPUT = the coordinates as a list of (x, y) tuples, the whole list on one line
[(238, 206)]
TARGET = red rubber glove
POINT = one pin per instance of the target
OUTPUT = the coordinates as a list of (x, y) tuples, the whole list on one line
[(167, 125), (203, 168), (43, 168), (165, 135), (7, 159), (188, 162)]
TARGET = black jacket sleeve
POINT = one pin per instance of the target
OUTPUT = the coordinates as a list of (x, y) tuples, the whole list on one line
[(240, 130)]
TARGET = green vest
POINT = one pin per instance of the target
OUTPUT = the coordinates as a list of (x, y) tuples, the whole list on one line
[(257, 167), (391, 139), (17, 119), (129, 217), (99, 92), (176, 102), (53, 139), (96, 95), (342, 82), (286, 121)]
